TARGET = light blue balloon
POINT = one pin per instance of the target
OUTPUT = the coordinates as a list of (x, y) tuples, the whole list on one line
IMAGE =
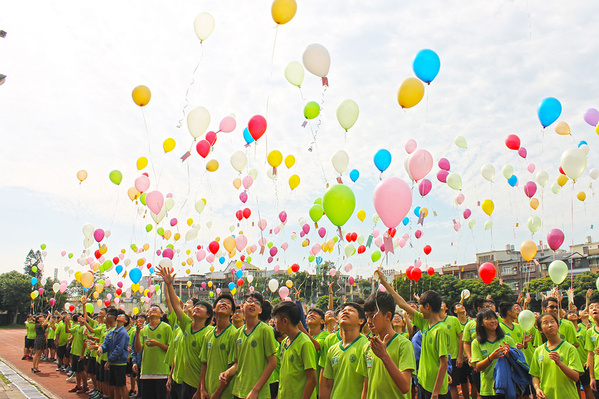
[(231, 286), (549, 110), (405, 221), (417, 211), (247, 136), (318, 260), (512, 181), (582, 143), (33, 281), (382, 159), (354, 175), (119, 269), (135, 275), (426, 65), (151, 270), (221, 260), (239, 273)]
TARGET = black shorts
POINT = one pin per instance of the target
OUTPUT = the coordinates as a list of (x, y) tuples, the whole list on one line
[(76, 365), (424, 394), (585, 378), (153, 388), (117, 375), (68, 350), (188, 391), (100, 371), (61, 352), (29, 343), (51, 344), (129, 369), (459, 376), (91, 365), (475, 378)]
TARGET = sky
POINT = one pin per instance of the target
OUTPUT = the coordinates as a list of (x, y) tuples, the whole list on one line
[(66, 106)]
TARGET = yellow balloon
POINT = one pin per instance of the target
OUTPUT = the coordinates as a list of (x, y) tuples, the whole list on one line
[(177, 236), (534, 203), (361, 215), (81, 175), (182, 263), (167, 235), (212, 165), (424, 211), (169, 145), (123, 251), (289, 283), (133, 193), (187, 271), (140, 262), (135, 287), (597, 128), (146, 246), (99, 288), (188, 252), (289, 161), (275, 158), (232, 253), (283, 11), (33, 295), (488, 206), (103, 249), (581, 196), (237, 182), (189, 221), (217, 239), (96, 267), (562, 180), (141, 289), (324, 247), (78, 274), (141, 163), (305, 243), (209, 284), (528, 250), (87, 280), (135, 311), (233, 291), (330, 243), (141, 95), (410, 92), (190, 261), (294, 181), (239, 264), (229, 244), (562, 128)]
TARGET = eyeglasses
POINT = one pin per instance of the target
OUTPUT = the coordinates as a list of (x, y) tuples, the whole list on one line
[(552, 307), (251, 301)]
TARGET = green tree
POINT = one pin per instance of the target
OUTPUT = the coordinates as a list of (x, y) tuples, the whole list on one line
[(323, 302), (33, 259), (16, 289)]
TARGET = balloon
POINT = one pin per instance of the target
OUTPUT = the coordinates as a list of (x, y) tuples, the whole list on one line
[(488, 172), (317, 60), (531, 167), (116, 177), (542, 178), (427, 249), (257, 126), (82, 175), (275, 158), (283, 11), (382, 159), (213, 247), (340, 161), (558, 271), (426, 65), (555, 188), (135, 275), (198, 118), (168, 145), (141, 95), (454, 181), (155, 201), (354, 175), (533, 224), (562, 128), (410, 146), (142, 183), (376, 255), (534, 203), (528, 250), (512, 142), (311, 110), (247, 136), (273, 284), (573, 162), (530, 189), (526, 319), (591, 116), (392, 200), (442, 176), (420, 164), (316, 212), (87, 279), (289, 161), (522, 152), (460, 141), (99, 235), (416, 273), (203, 148), (513, 180), (203, 26), (471, 223), (294, 73), (425, 187), (444, 164), (212, 165), (488, 206), (410, 93), (562, 180), (227, 124), (488, 225), (347, 113), (339, 203), (33, 280), (487, 272), (581, 196), (548, 111), (508, 171)]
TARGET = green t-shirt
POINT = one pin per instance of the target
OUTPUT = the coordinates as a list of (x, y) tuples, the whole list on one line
[(479, 353), (454, 327), (320, 337), (78, 337), (61, 334), (173, 347), (567, 332), (152, 362), (537, 340), (30, 330), (435, 344), (51, 332), (419, 321), (581, 335), (297, 356), (98, 331), (251, 352), (188, 353), (341, 367), (590, 343), (553, 382), (105, 331), (329, 341), (469, 332), (401, 350), (274, 377), (131, 332), (218, 353), (515, 332)]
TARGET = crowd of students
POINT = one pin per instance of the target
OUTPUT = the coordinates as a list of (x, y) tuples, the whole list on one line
[(362, 349)]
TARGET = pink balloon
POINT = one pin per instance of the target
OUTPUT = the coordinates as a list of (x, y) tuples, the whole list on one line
[(63, 253), (273, 251), (382, 247), (392, 200), (155, 201), (322, 232), (531, 167), (241, 242), (270, 259), (203, 284), (382, 288), (424, 187), (378, 241), (262, 242), (467, 213), (555, 238), (277, 229), (410, 146), (52, 301), (351, 280), (591, 116), (101, 260), (169, 195), (262, 224), (227, 125), (158, 252), (41, 291), (442, 176), (63, 288), (283, 216), (418, 263), (347, 267), (284, 246), (302, 234), (283, 292), (168, 253), (306, 228), (117, 300), (243, 197), (402, 243), (247, 182), (254, 247), (530, 188), (333, 272), (210, 258), (405, 236), (276, 268), (420, 164), (460, 198), (315, 249), (418, 234), (173, 222), (99, 235), (142, 183), (120, 284), (375, 233), (522, 152), (444, 164)]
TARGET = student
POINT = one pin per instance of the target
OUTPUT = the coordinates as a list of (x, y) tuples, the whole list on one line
[(297, 377), (255, 348), (388, 362), (566, 329), (581, 334), (315, 321), (116, 346), (399, 325), (77, 351), (592, 345), (140, 320), (217, 353), (132, 380), (40, 326), (490, 344), (330, 321), (153, 339), (238, 318), (464, 375), (60, 341), (555, 365), (454, 331), (93, 367), (341, 379), (509, 313), (29, 337), (51, 339), (329, 341)]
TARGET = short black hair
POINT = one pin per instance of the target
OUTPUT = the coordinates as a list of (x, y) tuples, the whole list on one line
[(209, 310), (433, 299), (540, 318), (453, 306), (481, 332), (266, 311), (112, 312), (229, 298), (504, 307), (360, 301), (288, 310), (380, 301), (546, 301), (359, 308), (320, 313), (194, 301), (592, 301)]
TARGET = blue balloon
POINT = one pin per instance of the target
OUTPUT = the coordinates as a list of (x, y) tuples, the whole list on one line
[(231, 286), (247, 136), (417, 211), (135, 275), (119, 269), (405, 221), (151, 270), (549, 110), (582, 143), (318, 260), (512, 181), (382, 159), (33, 281), (354, 175), (426, 65), (239, 273), (221, 260)]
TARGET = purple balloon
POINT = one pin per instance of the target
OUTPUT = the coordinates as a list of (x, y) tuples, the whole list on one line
[(442, 176), (530, 189), (467, 213), (555, 238), (444, 164), (591, 116)]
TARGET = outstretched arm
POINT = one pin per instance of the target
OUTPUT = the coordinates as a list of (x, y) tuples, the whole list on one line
[(398, 298), (168, 281)]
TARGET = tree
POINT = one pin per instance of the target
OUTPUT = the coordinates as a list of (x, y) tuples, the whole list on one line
[(15, 288), (323, 302), (582, 282), (33, 259)]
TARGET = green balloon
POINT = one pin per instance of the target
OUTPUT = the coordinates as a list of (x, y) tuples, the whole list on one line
[(101, 281), (270, 244), (116, 177), (142, 198), (211, 294), (148, 227), (43, 246), (107, 265), (171, 246), (318, 201), (248, 259), (316, 212), (160, 231), (70, 255), (376, 255), (133, 246), (311, 258), (335, 238), (89, 307), (34, 269), (311, 110), (339, 203)]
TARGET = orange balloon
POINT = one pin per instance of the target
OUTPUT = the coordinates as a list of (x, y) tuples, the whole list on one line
[(81, 175)]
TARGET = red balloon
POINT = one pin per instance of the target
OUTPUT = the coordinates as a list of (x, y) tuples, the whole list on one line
[(348, 237), (211, 138), (107, 303), (295, 267), (409, 272), (199, 247), (247, 213), (354, 236), (146, 174), (149, 265), (562, 171), (416, 274), (240, 282), (115, 260), (72, 307), (203, 148), (239, 215), (512, 142), (361, 249), (392, 232), (487, 272), (427, 249), (242, 258), (430, 271), (213, 247), (257, 126), (119, 291)]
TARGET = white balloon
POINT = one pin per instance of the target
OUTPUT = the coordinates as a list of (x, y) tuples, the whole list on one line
[(166, 262), (488, 172), (407, 168), (273, 284), (198, 121), (508, 171), (203, 26), (199, 205), (271, 175), (107, 233), (169, 203), (584, 148), (340, 161), (127, 262), (191, 234), (250, 279), (238, 160), (594, 173), (294, 73), (88, 230), (88, 242), (253, 173), (542, 178), (317, 59), (573, 162), (209, 224)]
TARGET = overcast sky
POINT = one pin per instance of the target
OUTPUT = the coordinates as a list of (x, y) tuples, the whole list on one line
[(66, 105)]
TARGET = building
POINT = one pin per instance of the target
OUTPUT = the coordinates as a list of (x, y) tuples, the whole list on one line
[(467, 271)]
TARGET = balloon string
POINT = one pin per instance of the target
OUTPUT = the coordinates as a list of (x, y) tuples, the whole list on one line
[(148, 139), (188, 187), (116, 206), (315, 145), (180, 123), (272, 63), (572, 238)]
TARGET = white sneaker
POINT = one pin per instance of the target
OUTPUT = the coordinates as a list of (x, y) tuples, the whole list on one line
[(72, 380)]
